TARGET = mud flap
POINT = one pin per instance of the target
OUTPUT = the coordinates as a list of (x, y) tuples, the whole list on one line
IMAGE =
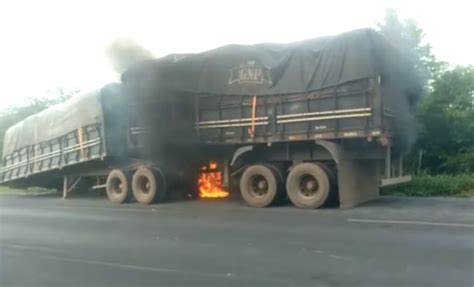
[(358, 181)]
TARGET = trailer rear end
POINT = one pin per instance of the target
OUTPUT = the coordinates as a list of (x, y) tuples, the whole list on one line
[(344, 130), (323, 121), (318, 121)]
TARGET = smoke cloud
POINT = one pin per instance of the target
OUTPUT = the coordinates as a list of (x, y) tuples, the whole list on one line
[(402, 90), (124, 52)]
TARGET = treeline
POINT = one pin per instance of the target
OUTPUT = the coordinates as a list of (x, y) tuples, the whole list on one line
[(445, 112)]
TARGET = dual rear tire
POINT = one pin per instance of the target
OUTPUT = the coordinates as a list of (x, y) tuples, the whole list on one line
[(118, 187), (308, 185), (261, 185), (146, 186)]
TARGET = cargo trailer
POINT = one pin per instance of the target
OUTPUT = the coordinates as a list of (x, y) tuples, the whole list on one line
[(94, 136), (318, 121)]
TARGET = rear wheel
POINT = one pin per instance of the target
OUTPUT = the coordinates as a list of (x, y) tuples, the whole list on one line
[(147, 186), (117, 186), (280, 175), (260, 185), (308, 186)]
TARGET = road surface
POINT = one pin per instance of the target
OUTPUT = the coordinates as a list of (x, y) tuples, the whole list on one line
[(47, 241)]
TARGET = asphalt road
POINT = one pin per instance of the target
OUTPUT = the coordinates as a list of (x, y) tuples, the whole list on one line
[(47, 241)]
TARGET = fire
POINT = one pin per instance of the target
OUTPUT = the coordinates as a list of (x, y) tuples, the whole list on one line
[(210, 183)]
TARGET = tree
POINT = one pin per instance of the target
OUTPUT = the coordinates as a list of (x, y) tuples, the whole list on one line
[(409, 38), (447, 117), (445, 112)]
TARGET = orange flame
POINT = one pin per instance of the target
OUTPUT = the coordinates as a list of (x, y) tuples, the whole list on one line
[(210, 183)]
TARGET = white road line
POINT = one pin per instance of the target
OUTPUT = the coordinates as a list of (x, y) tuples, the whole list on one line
[(339, 257), (147, 210), (135, 267), (411, 222), (28, 247)]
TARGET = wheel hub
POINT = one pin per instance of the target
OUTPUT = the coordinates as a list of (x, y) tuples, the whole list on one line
[(144, 184), (117, 185), (259, 186), (262, 185), (308, 185)]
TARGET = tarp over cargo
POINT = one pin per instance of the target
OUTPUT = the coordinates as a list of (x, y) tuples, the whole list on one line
[(79, 111), (267, 69), (294, 68)]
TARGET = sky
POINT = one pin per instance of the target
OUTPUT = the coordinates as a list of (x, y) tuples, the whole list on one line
[(45, 45)]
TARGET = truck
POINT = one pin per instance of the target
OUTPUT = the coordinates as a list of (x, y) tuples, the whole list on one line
[(316, 122)]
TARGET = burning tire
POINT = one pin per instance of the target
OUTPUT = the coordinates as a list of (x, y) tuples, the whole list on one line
[(147, 186), (260, 185), (118, 186), (308, 186)]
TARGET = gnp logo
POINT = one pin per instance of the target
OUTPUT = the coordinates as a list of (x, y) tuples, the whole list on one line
[(250, 73)]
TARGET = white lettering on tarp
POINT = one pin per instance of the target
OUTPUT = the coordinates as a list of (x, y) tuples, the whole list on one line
[(250, 73)]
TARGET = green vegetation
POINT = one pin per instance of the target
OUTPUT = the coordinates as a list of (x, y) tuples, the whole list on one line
[(442, 160), (447, 118), (438, 185), (446, 110), (34, 189)]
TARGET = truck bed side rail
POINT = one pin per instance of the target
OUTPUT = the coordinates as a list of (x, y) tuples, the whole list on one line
[(80, 145)]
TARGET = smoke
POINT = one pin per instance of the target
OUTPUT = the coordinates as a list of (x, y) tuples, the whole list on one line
[(124, 52), (402, 91)]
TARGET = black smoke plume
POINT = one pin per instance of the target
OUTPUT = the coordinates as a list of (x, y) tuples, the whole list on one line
[(124, 52)]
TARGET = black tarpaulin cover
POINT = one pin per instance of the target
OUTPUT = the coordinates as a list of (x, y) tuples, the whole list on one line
[(276, 69), (263, 69), (267, 69)]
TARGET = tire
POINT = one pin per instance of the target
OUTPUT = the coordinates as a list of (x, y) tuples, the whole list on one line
[(333, 194), (308, 186), (280, 175), (260, 185), (117, 186), (147, 186)]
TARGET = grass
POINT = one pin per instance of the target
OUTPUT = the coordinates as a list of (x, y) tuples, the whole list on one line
[(4, 188), (434, 185), (34, 189)]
